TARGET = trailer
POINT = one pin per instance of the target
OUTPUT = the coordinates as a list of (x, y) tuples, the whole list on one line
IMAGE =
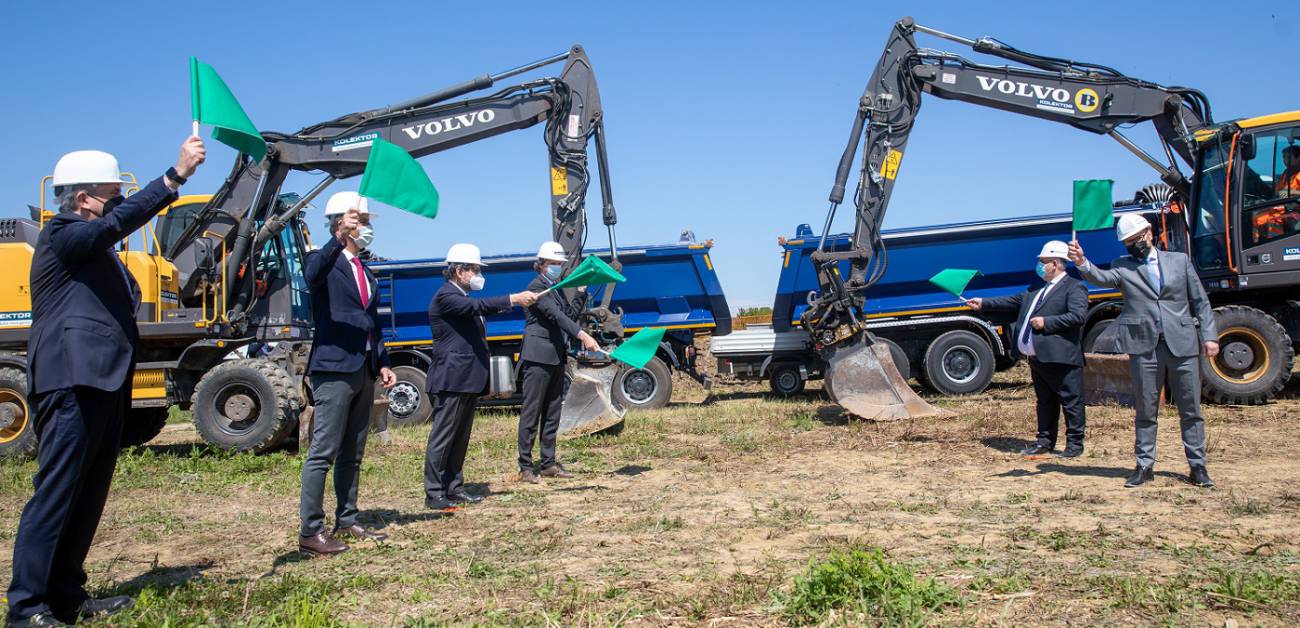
[(932, 336), (673, 286)]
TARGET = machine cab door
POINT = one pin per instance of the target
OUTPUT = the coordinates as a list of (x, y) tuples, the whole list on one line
[(1270, 200)]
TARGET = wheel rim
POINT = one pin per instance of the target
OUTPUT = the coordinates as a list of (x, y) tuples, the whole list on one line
[(237, 408), (787, 381), (639, 386), (403, 399), (1243, 357), (961, 365), (13, 415)]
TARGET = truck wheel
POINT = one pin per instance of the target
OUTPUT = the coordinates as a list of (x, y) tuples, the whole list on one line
[(644, 389), (246, 405), (1090, 340), (142, 425), (408, 400), (785, 379), (17, 425), (1255, 358), (901, 361), (958, 362)]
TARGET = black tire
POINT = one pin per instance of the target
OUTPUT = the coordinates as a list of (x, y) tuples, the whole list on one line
[(785, 379), (901, 361), (142, 425), (246, 405), (408, 400), (17, 423), (958, 362), (643, 389), (1090, 339), (1255, 358)]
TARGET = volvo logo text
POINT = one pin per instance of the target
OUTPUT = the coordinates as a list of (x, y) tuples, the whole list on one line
[(450, 123)]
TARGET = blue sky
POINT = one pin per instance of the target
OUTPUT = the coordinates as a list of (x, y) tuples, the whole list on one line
[(726, 118)]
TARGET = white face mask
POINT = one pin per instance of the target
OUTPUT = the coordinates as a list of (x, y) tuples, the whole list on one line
[(476, 282), (365, 235)]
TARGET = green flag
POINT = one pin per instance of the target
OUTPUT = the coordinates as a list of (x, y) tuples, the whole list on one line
[(1093, 205), (212, 103), (953, 280), (640, 348), (394, 177), (592, 271)]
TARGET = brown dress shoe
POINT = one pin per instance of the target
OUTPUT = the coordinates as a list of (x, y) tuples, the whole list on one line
[(556, 471), (321, 544), (358, 533), (527, 475)]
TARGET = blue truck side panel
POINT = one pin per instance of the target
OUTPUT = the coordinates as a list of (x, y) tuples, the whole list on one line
[(667, 286), (1003, 250)]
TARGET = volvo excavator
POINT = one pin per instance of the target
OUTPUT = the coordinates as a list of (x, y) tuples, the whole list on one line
[(226, 325), (1242, 231)]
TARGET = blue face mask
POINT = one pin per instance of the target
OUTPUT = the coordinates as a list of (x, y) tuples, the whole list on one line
[(553, 272), (1041, 270)]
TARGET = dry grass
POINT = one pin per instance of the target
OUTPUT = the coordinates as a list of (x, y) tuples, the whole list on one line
[(711, 512)]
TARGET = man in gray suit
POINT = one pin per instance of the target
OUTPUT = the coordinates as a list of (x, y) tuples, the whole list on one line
[(1163, 301)]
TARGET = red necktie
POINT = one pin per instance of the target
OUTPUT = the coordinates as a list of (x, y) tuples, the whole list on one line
[(362, 285)]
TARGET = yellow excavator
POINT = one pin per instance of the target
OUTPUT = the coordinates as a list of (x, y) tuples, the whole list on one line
[(1237, 214)]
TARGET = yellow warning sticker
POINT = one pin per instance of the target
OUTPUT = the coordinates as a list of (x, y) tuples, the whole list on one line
[(559, 182), (889, 169)]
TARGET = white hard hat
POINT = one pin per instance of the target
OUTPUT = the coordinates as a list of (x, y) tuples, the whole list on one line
[(464, 254), (341, 202), (86, 167), (1130, 225), (552, 252), (1056, 249)]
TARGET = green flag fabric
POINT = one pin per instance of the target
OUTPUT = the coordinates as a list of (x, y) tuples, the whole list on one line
[(954, 280), (591, 272), (640, 348), (212, 103), (1093, 205), (394, 177)]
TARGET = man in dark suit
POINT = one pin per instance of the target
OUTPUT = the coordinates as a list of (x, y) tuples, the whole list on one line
[(545, 350), (458, 371), (1048, 329), (347, 353), (81, 358)]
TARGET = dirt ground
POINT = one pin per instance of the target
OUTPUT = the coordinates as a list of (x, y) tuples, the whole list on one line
[(708, 511)]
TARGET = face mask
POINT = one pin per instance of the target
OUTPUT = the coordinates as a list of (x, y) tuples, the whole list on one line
[(365, 235), (1139, 249), (476, 283), (553, 272), (1041, 270), (110, 203)]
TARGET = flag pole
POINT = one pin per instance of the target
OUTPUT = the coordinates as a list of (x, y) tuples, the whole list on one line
[(194, 130)]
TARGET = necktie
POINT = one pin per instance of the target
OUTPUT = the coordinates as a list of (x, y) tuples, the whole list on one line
[(362, 285), (1026, 329), (1153, 271)]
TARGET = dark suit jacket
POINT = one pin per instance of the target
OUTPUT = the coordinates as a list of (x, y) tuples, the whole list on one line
[(342, 325), (460, 358), (83, 299), (547, 323), (1064, 310)]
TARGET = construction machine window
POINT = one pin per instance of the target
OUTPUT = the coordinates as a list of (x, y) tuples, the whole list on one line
[(1271, 187), (1209, 242), (171, 225)]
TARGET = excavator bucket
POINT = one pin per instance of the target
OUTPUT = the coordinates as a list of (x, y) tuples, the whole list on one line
[(863, 380), (588, 405)]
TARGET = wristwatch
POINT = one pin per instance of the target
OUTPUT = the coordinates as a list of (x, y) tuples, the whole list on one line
[(175, 176)]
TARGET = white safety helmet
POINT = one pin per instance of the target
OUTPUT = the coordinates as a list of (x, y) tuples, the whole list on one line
[(1055, 249), (341, 202), (84, 167), (1130, 225), (464, 254), (551, 252)]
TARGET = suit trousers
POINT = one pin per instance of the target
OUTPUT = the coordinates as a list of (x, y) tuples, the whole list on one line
[(1182, 377), (80, 432), (543, 402), (339, 429), (1059, 387), (444, 457)]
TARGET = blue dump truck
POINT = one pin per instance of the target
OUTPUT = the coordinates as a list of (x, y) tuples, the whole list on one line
[(673, 286), (932, 335)]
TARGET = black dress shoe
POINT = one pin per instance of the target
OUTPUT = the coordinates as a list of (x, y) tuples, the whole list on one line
[(461, 497), (1141, 475), (103, 607), (358, 533), (1035, 450), (1200, 477), (37, 620), (321, 544), (1071, 452), (439, 503)]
